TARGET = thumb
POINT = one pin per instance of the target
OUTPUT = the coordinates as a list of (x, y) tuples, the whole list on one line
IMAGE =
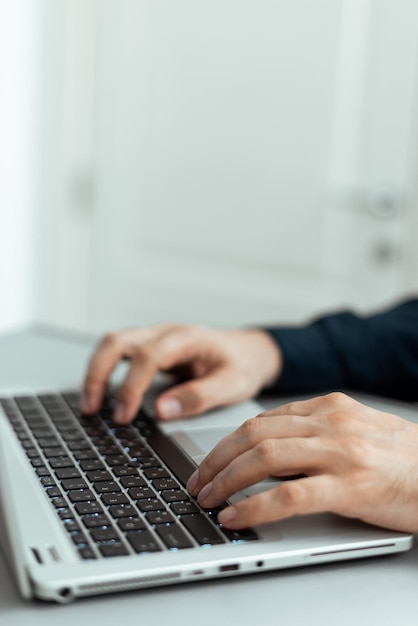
[(194, 396)]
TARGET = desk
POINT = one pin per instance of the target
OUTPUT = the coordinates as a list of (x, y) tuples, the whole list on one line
[(380, 591)]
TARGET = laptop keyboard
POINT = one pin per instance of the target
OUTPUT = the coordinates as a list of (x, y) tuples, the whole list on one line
[(117, 490)]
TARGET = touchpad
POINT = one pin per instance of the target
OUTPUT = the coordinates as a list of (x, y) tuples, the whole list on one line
[(199, 441)]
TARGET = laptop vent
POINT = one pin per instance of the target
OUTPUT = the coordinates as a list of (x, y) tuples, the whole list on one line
[(132, 583)]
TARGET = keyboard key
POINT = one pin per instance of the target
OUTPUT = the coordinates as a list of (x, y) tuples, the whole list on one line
[(114, 498), (104, 534), (48, 481), (141, 493), (61, 462), (202, 530), (156, 472), (165, 483), (95, 521), (80, 495), (160, 517), (125, 470), (59, 502), (143, 541), (67, 472), (98, 475), (53, 492), (132, 481), (85, 508), (113, 549), (184, 508), (107, 487), (150, 505), (131, 523), (92, 464), (123, 510), (175, 495), (86, 554), (174, 537), (74, 483)]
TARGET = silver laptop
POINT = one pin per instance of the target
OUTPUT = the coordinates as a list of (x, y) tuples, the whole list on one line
[(90, 508)]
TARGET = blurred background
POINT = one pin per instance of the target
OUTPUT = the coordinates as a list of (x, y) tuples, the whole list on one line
[(223, 162)]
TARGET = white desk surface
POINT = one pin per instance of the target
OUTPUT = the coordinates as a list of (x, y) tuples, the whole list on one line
[(382, 590)]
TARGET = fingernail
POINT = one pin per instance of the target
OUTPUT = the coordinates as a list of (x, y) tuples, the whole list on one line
[(192, 482), (205, 492), (170, 408), (119, 414), (227, 515)]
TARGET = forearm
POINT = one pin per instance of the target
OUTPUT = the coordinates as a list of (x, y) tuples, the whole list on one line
[(376, 354)]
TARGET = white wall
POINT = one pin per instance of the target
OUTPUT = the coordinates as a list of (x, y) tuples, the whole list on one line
[(18, 86)]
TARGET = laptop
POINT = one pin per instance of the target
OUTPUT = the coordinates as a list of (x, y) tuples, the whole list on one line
[(89, 508)]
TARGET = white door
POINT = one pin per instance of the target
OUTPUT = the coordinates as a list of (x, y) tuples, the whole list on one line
[(249, 160)]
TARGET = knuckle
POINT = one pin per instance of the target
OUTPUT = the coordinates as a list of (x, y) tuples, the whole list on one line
[(290, 494), (266, 451), (338, 398), (111, 340), (250, 428)]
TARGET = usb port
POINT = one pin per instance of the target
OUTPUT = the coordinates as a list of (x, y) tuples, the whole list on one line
[(229, 568)]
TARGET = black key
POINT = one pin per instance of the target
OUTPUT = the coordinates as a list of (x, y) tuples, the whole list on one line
[(86, 554), (61, 462), (46, 442), (139, 451), (132, 481), (113, 549), (92, 464), (98, 475), (239, 536), (32, 453), (156, 472), (80, 495), (71, 525), (43, 471), (141, 493), (59, 502), (65, 513), (184, 508), (174, 537), (109, 450), (95, 521), (85, 454), (143, 541), (116, 459), (79, 538), (124, 470), (50, 453), (53, 492), (175, 495), (78, 445), (107, 487), (74, 483), (85, 508), (37, 462), (160, 517), (67, 472), (48, 481), (114, 498), (165, 483), (150, 505), (104, 534), (202, 529), (131, 523), (123, 510)]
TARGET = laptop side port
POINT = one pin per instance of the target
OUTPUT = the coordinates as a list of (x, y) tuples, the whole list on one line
[(231, 567)]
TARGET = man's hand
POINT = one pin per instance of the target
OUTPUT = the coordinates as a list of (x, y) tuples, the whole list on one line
[(216, 367), (358, 462)]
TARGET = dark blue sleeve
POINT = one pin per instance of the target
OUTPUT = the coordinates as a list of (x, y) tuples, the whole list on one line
[(376, 354)]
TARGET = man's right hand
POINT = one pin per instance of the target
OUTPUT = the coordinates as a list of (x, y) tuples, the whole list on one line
[(214, 367)]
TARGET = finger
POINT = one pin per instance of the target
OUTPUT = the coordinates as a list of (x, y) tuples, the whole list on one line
[(217, 388), (298, 407), (269, 457), (246, 437), (108, 353), (315, 494), (162, 352)]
